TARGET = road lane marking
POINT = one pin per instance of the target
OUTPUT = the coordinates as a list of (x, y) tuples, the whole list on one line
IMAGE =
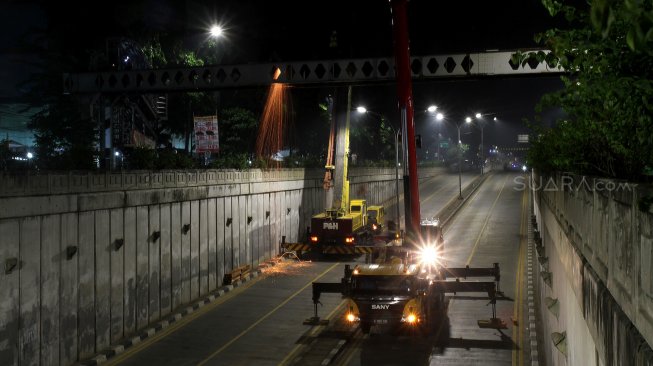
[(487, 219), (135, 349), (233, 340), (464, 205), (349, 353), (295, 350)]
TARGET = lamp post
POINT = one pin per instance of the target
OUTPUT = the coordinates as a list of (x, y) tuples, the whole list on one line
[(29, 160), (481, 125), (460, 157), (440, 117), (397, 133), (216, 32)]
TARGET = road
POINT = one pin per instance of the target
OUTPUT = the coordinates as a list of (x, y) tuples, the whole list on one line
[(261, 322)]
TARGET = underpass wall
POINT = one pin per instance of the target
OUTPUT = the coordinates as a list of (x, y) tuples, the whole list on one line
[(89, 259), (594, 271)]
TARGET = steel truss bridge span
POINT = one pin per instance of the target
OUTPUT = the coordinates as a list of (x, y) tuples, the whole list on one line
[(344, 71)]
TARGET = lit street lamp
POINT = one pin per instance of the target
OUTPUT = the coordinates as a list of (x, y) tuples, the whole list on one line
[(481, 125), (29, 156), (216, 31)]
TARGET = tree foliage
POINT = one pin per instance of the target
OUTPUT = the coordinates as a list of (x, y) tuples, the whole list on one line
[(237, 131), (607, 99)]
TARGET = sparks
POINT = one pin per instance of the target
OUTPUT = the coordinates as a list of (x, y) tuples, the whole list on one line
[(271, 128)]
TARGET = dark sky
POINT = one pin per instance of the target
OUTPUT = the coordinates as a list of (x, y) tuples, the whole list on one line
[(261, 31)]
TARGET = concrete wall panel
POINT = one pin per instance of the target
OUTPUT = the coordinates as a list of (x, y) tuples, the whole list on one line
[(142, 266), (211, 234), (166, 260), (279, 198), (30, 300), (286, 199), (86, 290), (266, 212), (51, 257), (194, 249), (102, 281), (154, 247), (259, 225), (117, 274), (130, 261), (9, 292), (250, 229), (598, 250), (235, 231), (175, 254), (220, 238), (68, 291), (185, 252), (203, 248), (296, 203), (228, 236)]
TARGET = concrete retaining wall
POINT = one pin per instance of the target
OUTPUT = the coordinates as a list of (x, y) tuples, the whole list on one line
[(595, 267), (87, 259)]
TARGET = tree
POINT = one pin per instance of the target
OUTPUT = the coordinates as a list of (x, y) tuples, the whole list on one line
[(607, 96), (237, 128)]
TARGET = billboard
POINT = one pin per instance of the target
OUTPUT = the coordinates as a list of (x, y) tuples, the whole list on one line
[(206, 134)]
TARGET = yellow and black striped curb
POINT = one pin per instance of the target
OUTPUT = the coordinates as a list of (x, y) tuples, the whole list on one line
[(329, 249), (115, 350), (530, 289)]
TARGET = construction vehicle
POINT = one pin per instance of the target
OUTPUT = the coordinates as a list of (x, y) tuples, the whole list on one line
[(375, 217), (346, 224), (336, 227)]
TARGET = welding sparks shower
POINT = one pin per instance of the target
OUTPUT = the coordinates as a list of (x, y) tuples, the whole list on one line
[(274, 123)]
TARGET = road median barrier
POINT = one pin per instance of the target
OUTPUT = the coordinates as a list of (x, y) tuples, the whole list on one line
[(455, 204)]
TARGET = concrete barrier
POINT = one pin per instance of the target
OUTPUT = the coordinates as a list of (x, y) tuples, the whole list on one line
[(595, 264)]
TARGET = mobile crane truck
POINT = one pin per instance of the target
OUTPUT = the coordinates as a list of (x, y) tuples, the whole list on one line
[(346, 226)]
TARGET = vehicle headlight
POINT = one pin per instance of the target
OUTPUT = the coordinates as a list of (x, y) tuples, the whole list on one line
[(429, 255), (411, 318)]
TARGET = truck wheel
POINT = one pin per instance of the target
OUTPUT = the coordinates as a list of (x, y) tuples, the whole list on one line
[(365, 328)]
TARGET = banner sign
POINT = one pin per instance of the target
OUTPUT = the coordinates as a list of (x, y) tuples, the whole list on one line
[(206, 134)]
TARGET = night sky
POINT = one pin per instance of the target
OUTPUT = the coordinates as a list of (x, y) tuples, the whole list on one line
[(262, 31)]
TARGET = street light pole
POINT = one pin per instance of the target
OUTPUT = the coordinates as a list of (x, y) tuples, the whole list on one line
[(482, 151), (460, 155), (363, 110)]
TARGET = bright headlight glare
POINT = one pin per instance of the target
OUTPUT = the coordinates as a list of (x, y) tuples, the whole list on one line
[(429, 255), (411, 318), (350, 317)]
